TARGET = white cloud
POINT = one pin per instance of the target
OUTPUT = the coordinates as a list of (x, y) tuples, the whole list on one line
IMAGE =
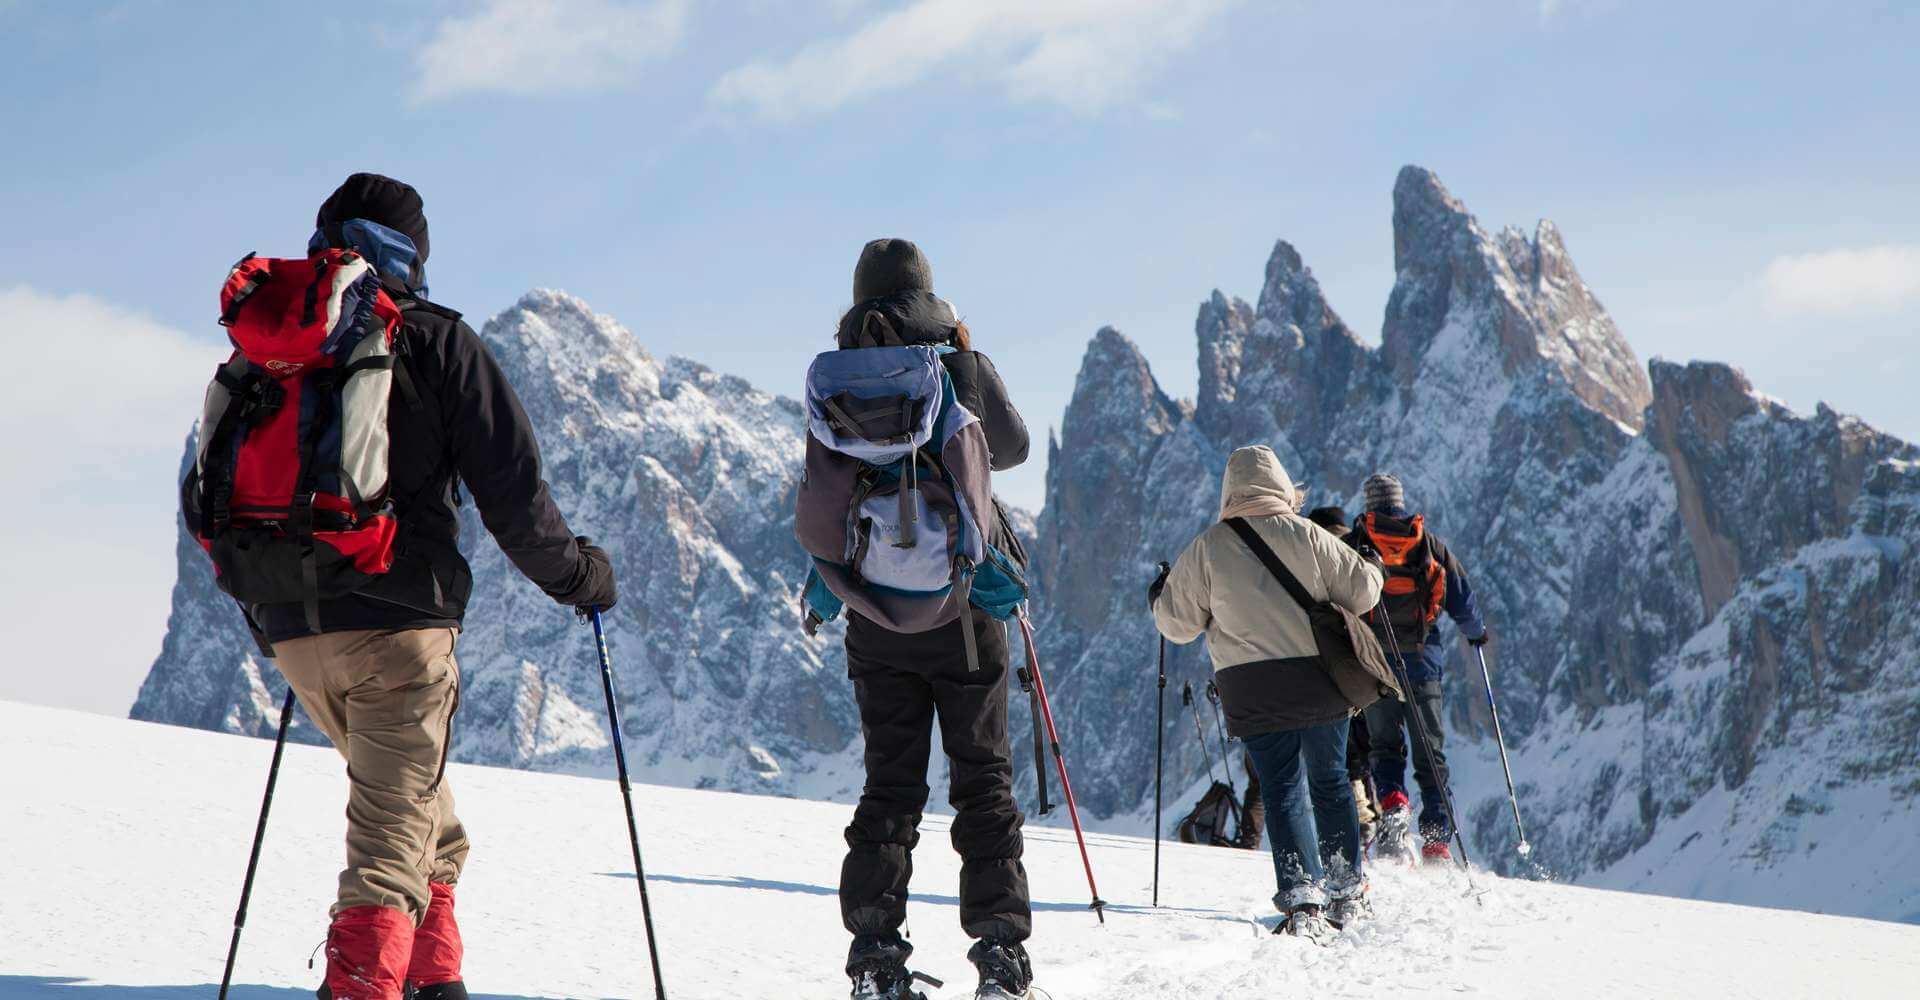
[(95, 418), (1085, 55), (1864, 279), (533, 47)]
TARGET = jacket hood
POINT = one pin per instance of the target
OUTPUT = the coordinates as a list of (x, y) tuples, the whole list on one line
[(908, 318), (1255, 483)]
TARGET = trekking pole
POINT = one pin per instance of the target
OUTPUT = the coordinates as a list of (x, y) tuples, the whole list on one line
[(1066, 786), (1499, 739), (1159, 758), (1186, 698), (259, 836), (626, 793), (1220, 721), (1426, 746)]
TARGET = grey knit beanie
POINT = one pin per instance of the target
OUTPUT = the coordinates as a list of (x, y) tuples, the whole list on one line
[(889, 267), (1384, 491)]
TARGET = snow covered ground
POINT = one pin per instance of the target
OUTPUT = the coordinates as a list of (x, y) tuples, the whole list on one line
[(124, 845)]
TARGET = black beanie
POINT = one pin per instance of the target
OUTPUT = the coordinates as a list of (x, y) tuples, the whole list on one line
[(889, 267), (384, 200), (1333, 519)]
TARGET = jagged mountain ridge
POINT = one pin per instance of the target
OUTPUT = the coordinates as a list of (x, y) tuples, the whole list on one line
[(1691, 585)]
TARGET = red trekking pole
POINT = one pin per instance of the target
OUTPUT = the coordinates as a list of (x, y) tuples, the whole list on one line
[(1073, 812)]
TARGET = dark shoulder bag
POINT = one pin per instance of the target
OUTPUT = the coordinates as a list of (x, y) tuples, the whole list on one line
[(1349, 653)]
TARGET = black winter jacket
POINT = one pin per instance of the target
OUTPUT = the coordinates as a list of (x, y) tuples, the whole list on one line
[(472, 427)]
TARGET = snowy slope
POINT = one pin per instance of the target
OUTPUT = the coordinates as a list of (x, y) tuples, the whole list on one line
[(126, 842)]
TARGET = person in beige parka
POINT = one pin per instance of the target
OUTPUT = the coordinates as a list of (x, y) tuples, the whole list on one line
[(1277, 697)]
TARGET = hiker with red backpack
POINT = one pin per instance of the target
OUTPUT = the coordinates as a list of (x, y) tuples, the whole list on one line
[(1275, 684), (1423, 579), (906, 424), (330, 453)]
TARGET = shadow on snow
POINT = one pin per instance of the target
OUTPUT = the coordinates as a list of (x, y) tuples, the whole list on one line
[(808, 889)]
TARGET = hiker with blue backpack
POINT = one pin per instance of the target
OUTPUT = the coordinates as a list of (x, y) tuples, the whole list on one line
[(907, 424)]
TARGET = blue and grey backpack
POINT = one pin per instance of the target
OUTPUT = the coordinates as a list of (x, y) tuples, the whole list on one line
[(896, 507)]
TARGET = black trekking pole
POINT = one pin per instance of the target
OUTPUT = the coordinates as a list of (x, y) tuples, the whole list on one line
[(1426, 745), (626, 793), (259, 836), (1500, 740), (1186, 698), (1159, 759), (1220, 720)]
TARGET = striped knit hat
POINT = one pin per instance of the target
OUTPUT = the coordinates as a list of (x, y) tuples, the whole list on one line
[(1384, 491)]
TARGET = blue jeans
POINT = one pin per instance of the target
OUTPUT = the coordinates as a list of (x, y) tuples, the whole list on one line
[(1316, 849)]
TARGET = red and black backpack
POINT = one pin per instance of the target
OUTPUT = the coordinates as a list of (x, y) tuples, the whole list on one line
[(1416, 586), (289, 492)]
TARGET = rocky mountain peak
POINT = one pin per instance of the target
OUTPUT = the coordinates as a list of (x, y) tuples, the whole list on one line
[(1464, 300)]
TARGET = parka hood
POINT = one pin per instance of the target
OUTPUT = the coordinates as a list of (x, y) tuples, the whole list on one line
[(1256, 483)]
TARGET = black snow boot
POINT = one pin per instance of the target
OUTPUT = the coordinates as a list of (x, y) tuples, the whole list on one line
[(878, 967), (1005, 971)]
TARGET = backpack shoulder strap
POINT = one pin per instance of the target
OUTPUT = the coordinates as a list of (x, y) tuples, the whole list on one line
[(1272, 562)]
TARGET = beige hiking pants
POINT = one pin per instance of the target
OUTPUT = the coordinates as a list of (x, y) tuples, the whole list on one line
[(386, 699)]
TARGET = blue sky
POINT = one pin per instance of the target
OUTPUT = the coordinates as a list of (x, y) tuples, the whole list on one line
[(1736, 181)]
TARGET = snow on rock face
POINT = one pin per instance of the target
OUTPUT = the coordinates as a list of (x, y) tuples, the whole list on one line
[(1686, 618), (687, 478)]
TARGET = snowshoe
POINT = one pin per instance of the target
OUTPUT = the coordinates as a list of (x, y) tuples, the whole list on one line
[(1005, 971), (1308, 922), (1436, 852), (1346, 911), (885, 980)]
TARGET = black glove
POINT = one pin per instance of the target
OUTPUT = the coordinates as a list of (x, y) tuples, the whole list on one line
[(1370, 554), (593, 582), (1159, 584), (1481, 640)]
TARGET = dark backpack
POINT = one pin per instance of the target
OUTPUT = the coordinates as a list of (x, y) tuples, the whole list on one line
[(1215, 821), (1416, 586), (289, 490)]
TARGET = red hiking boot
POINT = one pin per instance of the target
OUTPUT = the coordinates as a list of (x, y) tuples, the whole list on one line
[(367, 951), (1436, 852), (435, 967), (1394, 837)]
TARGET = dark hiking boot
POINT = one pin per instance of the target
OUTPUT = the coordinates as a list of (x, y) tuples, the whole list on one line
[(888, 979), (1005, 971), (1308, 922)]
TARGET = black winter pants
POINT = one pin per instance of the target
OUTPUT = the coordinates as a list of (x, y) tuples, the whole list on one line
[(902, 683), (1391, 729)]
